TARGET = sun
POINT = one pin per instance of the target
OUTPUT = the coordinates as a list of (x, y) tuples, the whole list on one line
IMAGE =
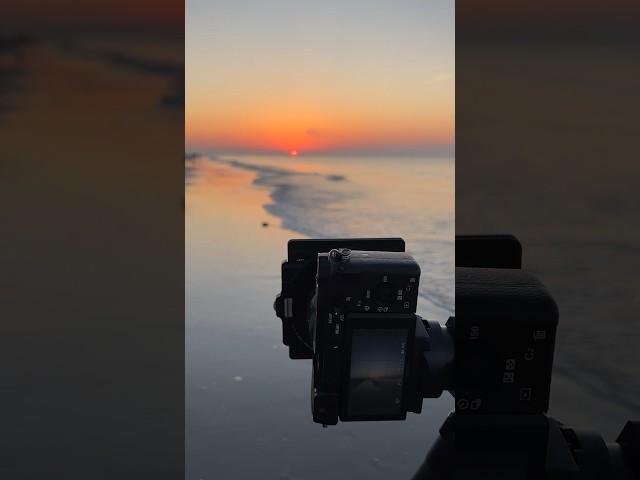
[(293, 153)]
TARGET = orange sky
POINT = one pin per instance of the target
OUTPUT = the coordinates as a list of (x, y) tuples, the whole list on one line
[(381, 116), (335, 76)]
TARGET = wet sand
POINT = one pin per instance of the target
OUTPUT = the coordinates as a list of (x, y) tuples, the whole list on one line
[(90, 168), (248, 407)]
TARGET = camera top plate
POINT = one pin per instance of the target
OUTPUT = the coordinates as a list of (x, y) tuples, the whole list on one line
[(308, 249)]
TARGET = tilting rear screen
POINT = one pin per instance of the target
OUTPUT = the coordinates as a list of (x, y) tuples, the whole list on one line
[(377, 372)]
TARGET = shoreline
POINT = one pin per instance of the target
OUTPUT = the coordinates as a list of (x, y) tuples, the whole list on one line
[(242, 390)]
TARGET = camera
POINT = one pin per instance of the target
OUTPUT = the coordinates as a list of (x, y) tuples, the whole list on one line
[(350, 306)]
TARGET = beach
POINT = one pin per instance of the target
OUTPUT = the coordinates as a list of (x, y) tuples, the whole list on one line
[(91, 169), (248, 405)]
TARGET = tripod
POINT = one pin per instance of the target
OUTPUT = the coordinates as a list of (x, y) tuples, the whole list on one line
[(528, 447)]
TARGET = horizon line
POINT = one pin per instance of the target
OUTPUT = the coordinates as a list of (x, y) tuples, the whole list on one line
[(440, 150)]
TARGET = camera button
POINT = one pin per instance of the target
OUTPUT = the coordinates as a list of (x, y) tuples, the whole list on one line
[(525, 393), (384, 293)]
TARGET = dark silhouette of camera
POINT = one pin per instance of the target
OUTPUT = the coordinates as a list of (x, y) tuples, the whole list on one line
[(350, 305), (355, 316)]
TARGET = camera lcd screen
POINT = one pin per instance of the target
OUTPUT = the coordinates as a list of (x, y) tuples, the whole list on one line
[(376, 377)]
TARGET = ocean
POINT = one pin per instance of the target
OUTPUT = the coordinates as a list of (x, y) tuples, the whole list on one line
[(248, 410), (326, 197)]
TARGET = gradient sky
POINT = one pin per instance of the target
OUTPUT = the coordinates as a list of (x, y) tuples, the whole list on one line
[(331, 75)]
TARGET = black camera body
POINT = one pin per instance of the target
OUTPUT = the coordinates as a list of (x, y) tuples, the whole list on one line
[(505, 330), (350, 305), (299, 283), (341, 301), (363, 332)]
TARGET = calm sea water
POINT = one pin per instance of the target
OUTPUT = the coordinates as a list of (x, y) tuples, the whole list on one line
[(248, 412), (368, 197)]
